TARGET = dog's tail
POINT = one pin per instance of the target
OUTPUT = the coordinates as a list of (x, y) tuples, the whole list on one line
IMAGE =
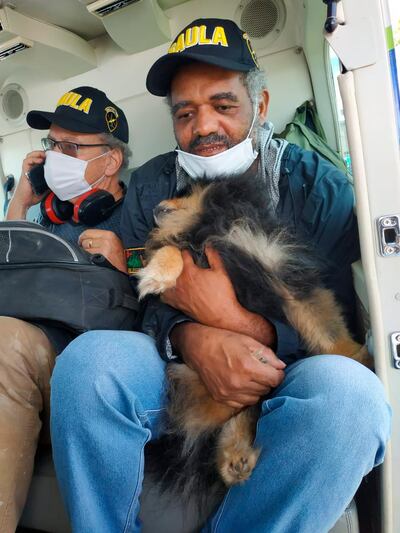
[(192, 475)]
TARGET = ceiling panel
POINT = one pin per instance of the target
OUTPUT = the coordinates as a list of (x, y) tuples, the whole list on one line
[(69, 14)]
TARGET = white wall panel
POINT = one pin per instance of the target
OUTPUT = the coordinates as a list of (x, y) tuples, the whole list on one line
[(122, 77)]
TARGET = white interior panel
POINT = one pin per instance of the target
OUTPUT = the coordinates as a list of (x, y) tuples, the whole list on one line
[(150, 127), (288, 82), (122, 77), (13, 150)]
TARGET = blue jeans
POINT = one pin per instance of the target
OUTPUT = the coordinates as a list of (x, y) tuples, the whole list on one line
[(323, 429)]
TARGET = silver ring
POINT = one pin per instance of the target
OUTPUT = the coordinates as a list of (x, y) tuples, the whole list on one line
[(258, 355)]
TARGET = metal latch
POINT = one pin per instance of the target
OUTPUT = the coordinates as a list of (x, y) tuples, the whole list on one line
[(395, 342), (389, 235)]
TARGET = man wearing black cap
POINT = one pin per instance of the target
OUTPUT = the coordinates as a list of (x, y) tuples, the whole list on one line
[(82, 154), (325, 421)]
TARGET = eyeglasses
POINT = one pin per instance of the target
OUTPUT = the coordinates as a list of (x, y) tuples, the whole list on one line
[(66, 147)]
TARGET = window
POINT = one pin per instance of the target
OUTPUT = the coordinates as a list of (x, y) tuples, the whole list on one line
[(343, 145), (393, 41)]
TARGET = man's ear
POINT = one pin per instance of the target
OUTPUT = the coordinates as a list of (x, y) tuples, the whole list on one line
[(263, 107), (115, 160)]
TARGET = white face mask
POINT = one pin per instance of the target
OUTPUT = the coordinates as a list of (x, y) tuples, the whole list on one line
[(65, 175), (233, 161)]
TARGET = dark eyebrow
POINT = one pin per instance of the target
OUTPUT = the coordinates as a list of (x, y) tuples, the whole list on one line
[(61, 140), (215, 97), (176, 107), (225, 96)]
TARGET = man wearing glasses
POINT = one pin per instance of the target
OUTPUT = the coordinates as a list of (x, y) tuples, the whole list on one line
[(82, 155)]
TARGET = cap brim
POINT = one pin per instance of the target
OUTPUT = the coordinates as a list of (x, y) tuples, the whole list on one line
[(42, 120), (160, 75)]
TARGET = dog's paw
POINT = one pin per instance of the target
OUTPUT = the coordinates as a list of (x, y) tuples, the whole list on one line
[(363, 357), (161, 273), (152, 281), (236, 464)]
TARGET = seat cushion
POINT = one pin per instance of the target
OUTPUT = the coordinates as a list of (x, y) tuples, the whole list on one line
[(44, 508)]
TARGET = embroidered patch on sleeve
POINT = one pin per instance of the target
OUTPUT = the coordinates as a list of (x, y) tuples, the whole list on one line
[(134, 259)]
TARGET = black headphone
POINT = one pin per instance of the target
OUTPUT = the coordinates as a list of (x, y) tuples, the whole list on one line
[(91, 208)]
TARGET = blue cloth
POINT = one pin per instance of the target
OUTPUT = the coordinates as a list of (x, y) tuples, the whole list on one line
[(70, 231), (320, 432)]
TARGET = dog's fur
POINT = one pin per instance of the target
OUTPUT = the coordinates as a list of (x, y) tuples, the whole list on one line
[(272, 274)]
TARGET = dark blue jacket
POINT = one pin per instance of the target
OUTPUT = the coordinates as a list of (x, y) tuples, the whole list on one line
[(316, 200)]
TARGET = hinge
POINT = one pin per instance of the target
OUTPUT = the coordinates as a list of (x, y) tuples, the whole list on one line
[(389, 235), (395, 342)]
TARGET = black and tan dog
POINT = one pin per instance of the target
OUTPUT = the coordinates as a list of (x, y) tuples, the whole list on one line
[(272, 274)]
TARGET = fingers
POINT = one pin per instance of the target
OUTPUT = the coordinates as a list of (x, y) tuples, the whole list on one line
[(238, 401), (96, 234), (244, 402), (252, 387), (187, 259), (264, 368), (95, 246), (90, 245), (35, 161), (85, 235), (37, 155), (267, 357), (92, 238), (270, 377), (33, 158), (214, 259), (106, 243)]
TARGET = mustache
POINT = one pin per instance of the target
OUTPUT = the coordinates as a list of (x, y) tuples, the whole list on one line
[(213, 138)]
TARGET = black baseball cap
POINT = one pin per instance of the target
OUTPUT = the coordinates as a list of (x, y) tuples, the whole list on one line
[(217, 42), (86, 110)]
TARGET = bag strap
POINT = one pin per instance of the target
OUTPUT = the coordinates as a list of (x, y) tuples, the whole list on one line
[(322, 148), (130, 302), (120, 298), (307, 114)]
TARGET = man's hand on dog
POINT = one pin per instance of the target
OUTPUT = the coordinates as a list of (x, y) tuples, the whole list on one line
[(236, 369), (207, 295)]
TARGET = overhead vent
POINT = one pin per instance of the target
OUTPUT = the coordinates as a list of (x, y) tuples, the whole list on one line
[(14, 46), (135, 25), (102, 8), (35, 44), (262, 20)]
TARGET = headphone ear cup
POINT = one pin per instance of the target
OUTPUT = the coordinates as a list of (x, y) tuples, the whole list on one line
[(93, 207), (55, 210)]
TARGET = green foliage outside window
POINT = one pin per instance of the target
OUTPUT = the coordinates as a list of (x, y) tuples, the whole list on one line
[(396, 33)]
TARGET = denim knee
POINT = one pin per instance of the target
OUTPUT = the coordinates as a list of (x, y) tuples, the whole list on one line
[(337, 397), (98, 365)]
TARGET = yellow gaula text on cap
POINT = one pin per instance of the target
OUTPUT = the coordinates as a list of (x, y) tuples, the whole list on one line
[(198, 35), (71, 99)]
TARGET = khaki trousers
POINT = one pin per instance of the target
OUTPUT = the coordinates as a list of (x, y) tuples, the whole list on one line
[(26, 363)]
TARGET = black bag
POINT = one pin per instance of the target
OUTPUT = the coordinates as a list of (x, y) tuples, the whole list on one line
[(45, 278)]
